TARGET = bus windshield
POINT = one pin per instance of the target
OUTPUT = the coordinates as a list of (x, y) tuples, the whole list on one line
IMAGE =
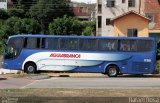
[(13, 48)]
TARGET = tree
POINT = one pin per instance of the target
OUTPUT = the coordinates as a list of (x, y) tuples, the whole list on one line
[(87, 31), (3, 14), (16, 12), (65, 26), (15, 25), (47, 10), (5, 31), (89, 28), (158, 51), (30, 26), (21, 8)]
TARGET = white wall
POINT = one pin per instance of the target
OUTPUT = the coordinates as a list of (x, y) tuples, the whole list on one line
[(3, 5), (112, 12)]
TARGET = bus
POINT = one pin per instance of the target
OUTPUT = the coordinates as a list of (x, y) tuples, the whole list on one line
[(83, 54)]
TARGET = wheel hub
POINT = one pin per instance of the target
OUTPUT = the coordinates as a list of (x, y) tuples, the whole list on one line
[(112, 71), (30, 68)]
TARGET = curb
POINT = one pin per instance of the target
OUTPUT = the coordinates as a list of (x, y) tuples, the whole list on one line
[(38, 77), (7, 71), (89, 75)]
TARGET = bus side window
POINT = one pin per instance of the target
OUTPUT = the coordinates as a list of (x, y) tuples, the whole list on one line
[(44, 43), (63, 43), (133, 44), (108, 45), (73, 44), (92, 44), (83, 44), (128, 45), (54, 43), (49, 43), (33, 43), (124, 45)]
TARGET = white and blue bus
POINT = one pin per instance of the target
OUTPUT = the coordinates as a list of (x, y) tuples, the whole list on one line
[(87, 54)]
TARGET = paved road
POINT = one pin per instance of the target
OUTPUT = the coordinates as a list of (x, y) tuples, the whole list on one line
[(10, 83), (96, 83), (101, 82)]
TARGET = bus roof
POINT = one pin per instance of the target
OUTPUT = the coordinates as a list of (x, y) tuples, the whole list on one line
[(74, 36)]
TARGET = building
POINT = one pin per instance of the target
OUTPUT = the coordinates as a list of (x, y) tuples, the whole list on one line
[(3, 4), (131, 24), (83, 11), (109, 9), (9, 4), (151, 9)]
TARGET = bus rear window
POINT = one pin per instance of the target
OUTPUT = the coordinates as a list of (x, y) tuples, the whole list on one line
[(144, 45), (136, 45)]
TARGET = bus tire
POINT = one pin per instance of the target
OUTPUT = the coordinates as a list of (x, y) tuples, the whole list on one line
[(30, 68), (112, 71)]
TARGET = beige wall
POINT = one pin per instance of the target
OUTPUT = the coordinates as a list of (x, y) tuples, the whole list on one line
[(130, 21), (112, 12)]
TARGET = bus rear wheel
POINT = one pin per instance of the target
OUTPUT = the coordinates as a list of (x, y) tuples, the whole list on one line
[(112, 71), (30, 68)]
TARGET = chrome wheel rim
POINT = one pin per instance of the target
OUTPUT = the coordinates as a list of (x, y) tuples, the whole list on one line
[(30, 69), (112, 71)]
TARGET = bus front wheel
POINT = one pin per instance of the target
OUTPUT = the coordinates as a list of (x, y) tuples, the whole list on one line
[(30, 68), (112, 71)]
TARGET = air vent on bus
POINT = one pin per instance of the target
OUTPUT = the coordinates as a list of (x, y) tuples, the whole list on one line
[(140, 67)]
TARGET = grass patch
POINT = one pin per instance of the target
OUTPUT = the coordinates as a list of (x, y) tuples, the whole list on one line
[(23, 75)]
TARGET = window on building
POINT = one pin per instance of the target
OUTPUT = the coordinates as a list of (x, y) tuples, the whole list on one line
[(123, 1), (99, 8), (132, 32), (99, 21), (110, 3), (150, 16), (159, 2), (108, 21), (131, 3)]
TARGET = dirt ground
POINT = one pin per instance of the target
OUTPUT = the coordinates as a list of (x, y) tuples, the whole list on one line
[(80, 96), (80, 92)]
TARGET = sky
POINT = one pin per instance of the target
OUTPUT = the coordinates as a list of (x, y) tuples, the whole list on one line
[(86, 1)]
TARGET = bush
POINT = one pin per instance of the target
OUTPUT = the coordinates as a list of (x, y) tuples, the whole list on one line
[(157, 67)]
